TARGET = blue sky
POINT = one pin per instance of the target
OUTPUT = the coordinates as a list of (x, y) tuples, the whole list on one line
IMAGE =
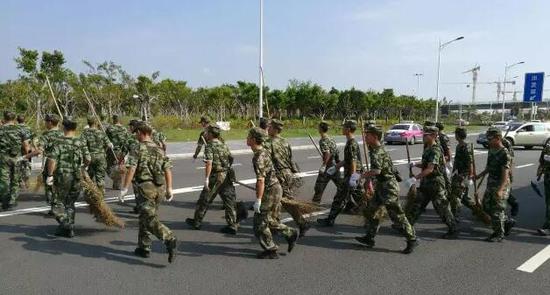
[(343, 43)]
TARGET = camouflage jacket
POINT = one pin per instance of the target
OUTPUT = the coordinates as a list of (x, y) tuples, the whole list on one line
[(281, 153), (218, 152), (509, 147), (48, 140), (328, 145), (497, 160), (132, 144), (96, 141), (545, 163), (70, 155), (11, 140), (118, 135), (444, 143), (381, 160), (27, 130), (158, 137), (150, 163), (263, 167), (352, 154), (462, 160), (433, 155)]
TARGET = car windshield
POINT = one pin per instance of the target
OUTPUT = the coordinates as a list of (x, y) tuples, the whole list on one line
[(513, 126), (400, 127)]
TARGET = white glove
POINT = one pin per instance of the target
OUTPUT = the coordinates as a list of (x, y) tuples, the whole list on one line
[(450, 165), (110, 145), (169, 195), (448, 171), (49, 180), (331, 171), (323, 169), (206, 184), (354, 178), (410, 182), (21, 159), (412, 164), (470, 182), (546, 158), (123, 193), (257, 205)]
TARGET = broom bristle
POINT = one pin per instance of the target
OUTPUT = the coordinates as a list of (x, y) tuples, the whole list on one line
[(478, 212), (98, 208), (38, 183), (299, 207)]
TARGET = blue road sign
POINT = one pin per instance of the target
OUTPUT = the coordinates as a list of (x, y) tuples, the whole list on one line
[(532, 91)]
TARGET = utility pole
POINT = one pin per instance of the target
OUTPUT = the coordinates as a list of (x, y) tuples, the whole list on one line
[(261, 106)]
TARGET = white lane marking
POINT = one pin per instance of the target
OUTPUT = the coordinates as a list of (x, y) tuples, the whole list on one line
[(314, 157), (523, 166), (176, 191), (390, 150), (534, 262), (202, 167)]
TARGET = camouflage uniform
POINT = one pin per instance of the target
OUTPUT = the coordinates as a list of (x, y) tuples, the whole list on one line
[(386, 193), (219, 182), (150, 164), (25, 165), (159, 138), (97, 142), (46, 142), (497, 160), (512, 201), (544, 164), (459, 178), (200, 143), (264, 222), (70, 155), (327, 145), (118, 135), (432, 188), (12, 138), (352, 154)]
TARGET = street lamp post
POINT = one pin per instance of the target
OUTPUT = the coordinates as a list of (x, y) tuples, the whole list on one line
[(441, 46), (261, 61), (506, 68), (418, 75)]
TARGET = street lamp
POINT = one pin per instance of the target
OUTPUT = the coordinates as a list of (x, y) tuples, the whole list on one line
[(441, 46), (418, 75), (261, 61), (506, 68)]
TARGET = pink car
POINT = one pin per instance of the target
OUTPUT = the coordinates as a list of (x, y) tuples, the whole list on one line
[(403, 132)]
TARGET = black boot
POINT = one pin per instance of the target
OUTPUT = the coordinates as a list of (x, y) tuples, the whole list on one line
[(508, 225), (268, 254), (325, 221), (142, 253), (452, 234), (514, 209), (171, 248), (292, 241), (228, 230), (191, 222), (304, 228), (367, 241), (494, 238), (410, 246)]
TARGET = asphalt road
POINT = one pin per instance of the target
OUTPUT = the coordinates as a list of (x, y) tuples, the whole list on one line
[(326, 261)]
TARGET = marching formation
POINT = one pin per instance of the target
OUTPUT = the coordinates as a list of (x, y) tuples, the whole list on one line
[(367, 183)]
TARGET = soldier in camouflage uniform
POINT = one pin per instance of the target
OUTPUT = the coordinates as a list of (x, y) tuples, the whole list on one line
[(330, 157), (432, 184), (69, 156), (132, 145), (544, 169), (219, 178), (386, 193), (159, 138), (118, 136), (281, 155), (150, 169), (512, 201), (263, 123), (97, 143), (14, 143), (350, 190), (268, 198), (498, 185), (462, 173), (25, 165), (204, 123)]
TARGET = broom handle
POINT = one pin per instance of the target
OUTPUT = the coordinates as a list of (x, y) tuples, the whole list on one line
[(476, 194)]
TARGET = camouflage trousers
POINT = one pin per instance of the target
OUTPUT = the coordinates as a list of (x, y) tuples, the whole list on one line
[(10, 177), (148, 198), (67, 189), (286, 179), (97, 170), (25, 168), (51, 197), (389, 199), (219, 184), (321, 183), (344, 195), (113, 168), (265, 224), (496, 208), (438, 197), (458, 193)]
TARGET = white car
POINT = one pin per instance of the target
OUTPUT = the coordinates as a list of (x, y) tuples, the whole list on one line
[(528, 134)]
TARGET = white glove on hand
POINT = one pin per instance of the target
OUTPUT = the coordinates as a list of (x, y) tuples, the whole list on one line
[(323, 169), (412, 164), (448, 172), (410, 182), (169, 195), (110, 145), (49, 180), (21, 159), (546, 158), (331, 171), (354, 178), (450, 165), (123, 193), (257, 205), (206, 184), (470, 182)]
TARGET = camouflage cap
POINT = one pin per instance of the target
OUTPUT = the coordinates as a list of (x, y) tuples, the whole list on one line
[(263, 122), (429, 123), (368, 123), (258, 134), (277, 123), (492, 132), (430, 130), (51, 118), (440, 126), (204, 119), (352, 124), (376, 130), (324, 125), (69, 122), (214, 130)]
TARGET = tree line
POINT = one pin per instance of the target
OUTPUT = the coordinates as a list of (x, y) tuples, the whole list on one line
[(113, 90)]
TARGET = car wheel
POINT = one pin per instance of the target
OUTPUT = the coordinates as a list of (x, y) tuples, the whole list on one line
[(510, 140), (528, 147)]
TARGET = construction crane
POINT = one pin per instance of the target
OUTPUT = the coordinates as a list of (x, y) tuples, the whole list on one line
[(474, 72)]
